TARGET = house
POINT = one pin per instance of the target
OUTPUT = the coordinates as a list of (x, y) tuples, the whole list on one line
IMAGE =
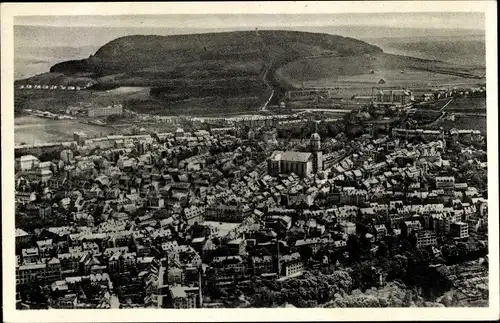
[(30, 255), (182, 297), (262, 265), (52, 270), (22, 237), (227, 213), (409, 227), (425, 239), (225, 265), (291, 264), (28, 162), (121, 262), (29, 272), (459, 230), (45, 247), (380, 231), (348, 227), (237, 246), (194, 214)]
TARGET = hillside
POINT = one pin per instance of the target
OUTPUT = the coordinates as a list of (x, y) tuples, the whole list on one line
[(354, 75), (229, 71), (217, 71)]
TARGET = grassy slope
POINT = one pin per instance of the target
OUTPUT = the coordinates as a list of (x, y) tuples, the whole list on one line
[(354, 72), (223, 72), (207, 73)]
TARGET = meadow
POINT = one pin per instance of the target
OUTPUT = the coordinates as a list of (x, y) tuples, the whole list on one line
[(357, 75), (32, 130)]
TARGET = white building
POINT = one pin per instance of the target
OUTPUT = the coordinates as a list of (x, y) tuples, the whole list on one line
[(116, 109), (28, 162)]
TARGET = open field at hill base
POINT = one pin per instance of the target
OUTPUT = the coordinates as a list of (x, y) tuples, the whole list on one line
[(357, 75), (32, 130)]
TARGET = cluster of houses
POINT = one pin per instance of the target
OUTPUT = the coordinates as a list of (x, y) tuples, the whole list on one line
[(443, 93), (163, 220), (55, 87)]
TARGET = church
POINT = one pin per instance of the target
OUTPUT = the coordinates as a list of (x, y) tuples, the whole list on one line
[(302, 164)]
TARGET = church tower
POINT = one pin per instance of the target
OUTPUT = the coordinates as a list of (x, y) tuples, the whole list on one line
[(317, 153)]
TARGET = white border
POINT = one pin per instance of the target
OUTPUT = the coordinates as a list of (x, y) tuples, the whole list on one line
[(136, 315)]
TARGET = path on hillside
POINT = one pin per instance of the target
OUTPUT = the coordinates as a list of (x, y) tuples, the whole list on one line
[(264, 107), (444, 106)]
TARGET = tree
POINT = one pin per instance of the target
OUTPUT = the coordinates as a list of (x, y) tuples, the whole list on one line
[(382, 251), (306, 253), (354, 248)]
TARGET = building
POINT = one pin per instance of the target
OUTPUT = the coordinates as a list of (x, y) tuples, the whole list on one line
[(194, 214), (418, 133), (317, 154), (288, 162), (262, 265), (237, 246), (30, 255), (291, 264), (446, 183), (22, 237), (227, 213), (30, 272), (410, 227), (80, 138), (348, 227), (229, 265), (121, 262), (459, 230), (182, 297), (394, 98), (28, 162), (302, 164), (426, 238), (307, 94), (45, 211), (380, 231), (45, 272), (116, 109)]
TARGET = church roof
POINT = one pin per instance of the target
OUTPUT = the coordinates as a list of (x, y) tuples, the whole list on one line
[(295, 156)]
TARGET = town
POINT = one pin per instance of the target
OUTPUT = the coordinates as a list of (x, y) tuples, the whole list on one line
[(247, 212)]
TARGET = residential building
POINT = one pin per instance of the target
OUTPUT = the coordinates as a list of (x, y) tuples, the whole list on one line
[(116, 109), (426, 239), (459, 230)]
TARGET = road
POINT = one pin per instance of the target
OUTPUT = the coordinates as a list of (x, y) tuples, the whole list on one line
[(324, 110), (444, 106), (264, 107)]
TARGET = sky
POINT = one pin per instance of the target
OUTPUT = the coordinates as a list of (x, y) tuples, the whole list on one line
[(445, 20)]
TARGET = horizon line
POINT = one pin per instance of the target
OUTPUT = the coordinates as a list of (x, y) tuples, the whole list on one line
[(253, 27)]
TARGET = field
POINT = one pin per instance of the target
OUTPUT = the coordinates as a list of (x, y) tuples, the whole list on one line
[(56, 101), (467, 105), (358, 74), (32, 130)]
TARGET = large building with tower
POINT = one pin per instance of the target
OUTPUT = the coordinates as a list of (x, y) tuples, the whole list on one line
[(302, 164)]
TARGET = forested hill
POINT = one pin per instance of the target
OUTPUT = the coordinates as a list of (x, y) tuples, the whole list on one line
[(180, 52)]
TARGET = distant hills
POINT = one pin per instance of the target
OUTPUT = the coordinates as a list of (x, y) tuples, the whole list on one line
[(222, 71)]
